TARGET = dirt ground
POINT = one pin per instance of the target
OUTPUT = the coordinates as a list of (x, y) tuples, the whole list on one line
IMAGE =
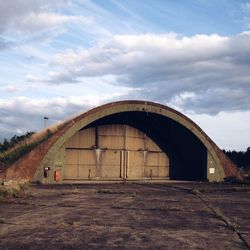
[(169, 215)]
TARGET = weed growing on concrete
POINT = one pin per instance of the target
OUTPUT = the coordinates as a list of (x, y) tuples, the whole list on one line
[(105, 191), (75, 191), (13, 189)]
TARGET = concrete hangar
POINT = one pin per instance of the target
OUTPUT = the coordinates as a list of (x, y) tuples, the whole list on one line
[(126, 140)]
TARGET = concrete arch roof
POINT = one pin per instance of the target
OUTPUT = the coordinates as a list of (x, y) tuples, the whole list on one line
[(26, 167)]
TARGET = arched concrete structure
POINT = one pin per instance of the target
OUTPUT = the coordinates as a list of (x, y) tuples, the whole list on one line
[(192, 154)]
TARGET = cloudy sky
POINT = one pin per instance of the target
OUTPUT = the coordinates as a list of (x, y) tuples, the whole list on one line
[(60, 58)]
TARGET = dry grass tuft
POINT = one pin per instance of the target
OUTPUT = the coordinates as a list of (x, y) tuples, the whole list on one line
[(13, 189)]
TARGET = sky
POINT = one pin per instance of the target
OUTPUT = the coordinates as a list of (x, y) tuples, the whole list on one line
[(61, 58)]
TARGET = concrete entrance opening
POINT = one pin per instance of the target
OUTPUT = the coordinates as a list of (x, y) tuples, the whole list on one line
[(185, 154)]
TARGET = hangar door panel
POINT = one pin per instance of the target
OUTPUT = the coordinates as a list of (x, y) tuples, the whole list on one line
[(111, 137), (113, 152), (71, 163), (86, 164), (135, 165), (79, 164), (110, 164), (157, 165)]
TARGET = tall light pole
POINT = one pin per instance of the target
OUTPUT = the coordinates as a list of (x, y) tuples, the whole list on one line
[(45, 120)]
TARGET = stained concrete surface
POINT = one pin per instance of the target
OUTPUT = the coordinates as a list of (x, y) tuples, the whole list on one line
[(128, 216)]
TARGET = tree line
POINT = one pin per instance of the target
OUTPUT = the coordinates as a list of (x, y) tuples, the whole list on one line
[(7, 144), (240, 158)]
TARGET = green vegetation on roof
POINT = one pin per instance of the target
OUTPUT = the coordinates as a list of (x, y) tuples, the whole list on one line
[(17, 146)]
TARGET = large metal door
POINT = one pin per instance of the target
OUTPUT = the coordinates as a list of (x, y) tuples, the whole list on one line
[(113, 152)]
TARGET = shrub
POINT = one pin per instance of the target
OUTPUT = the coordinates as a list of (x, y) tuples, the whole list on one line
[(13, 189), (232, 180)]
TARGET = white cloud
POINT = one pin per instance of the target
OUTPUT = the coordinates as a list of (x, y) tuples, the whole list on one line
[(11, 89), (32, 17), (215, 69), (57, 107), (33, 22), (32, 78), (20, 114), (178, 101), (65, 77), (70, 58)]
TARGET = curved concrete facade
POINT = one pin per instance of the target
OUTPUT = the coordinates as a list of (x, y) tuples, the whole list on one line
[(191, 153)]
